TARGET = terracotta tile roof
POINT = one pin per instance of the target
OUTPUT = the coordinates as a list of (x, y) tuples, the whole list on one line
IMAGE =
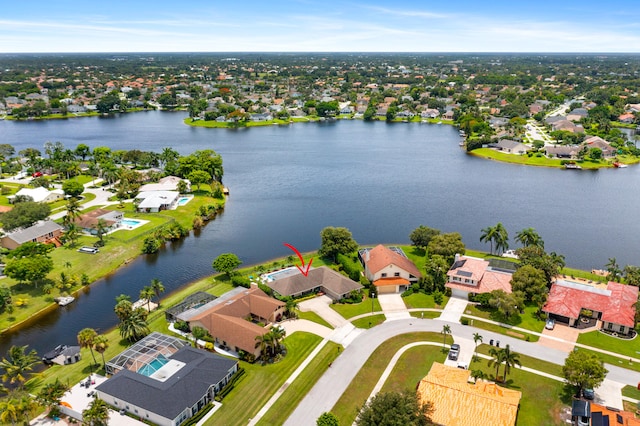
[(90, 219), (615, 303), (457, 402), (628, 418), (485, 279), (391, 281), (380, 257)]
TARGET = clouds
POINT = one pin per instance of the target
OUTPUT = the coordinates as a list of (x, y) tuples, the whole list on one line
[(306, 25)]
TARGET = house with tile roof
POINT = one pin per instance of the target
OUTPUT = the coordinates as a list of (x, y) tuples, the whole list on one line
[(472, 275), (388, 268), (598, 142), (601, 416), (612, 306), (167, 389), (88, 222), (46, 232), (458, 402), (235, 321), (322, 279)]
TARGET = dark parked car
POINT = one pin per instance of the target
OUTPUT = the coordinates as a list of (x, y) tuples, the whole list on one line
[(588, 394), (454, 352)]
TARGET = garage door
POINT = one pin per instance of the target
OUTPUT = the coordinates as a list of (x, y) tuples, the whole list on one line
[(461, 294), (387, 289)]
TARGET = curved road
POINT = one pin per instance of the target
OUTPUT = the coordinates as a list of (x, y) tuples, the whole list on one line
[(326, 392)]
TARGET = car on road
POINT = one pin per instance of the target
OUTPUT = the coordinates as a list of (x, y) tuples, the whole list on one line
[(588, 394), (454, 352), (36, 174), (550, 324)]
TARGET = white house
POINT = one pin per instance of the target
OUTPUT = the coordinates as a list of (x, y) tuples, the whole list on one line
[(155, 201), (388, 268), (167, 183), (39, 195)]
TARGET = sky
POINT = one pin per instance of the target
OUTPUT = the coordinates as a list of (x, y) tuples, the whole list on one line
[(319, 26)]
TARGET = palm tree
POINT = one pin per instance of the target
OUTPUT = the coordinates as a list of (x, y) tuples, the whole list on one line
[(476, 338), (488, 235), (124, 307), (50, 394), (614, 269), (73, 211), (9, 410), (97, 414), (147, 293), (501, 238), (157, 287), (290, 308), (446, 329), (18, 364), (86, 339), (510, 359), (134, 327), (263, 341), (529, 237), (277, 334), (101, 344), (478, 374), (497, 359), (72, 234)]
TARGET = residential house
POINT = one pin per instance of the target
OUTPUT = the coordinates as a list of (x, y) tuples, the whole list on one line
[(601, 416), (567, 126), (39, 195), (164, 382), (577, 114), (322, 279), (627, 118), (511, 147), (455, 401), (47, 232), (167, 183), (388, 268), (471, 275), (598, 142), (88, 222), (155, 201), (448, 115), (234, 321), (430, 113), (562, 151), (613, 305)]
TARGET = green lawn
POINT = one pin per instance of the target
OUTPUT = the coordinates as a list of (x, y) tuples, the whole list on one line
[(530, 362), (631, 392), (603, 341), (421, 300), (348, 310), (425, 314), (412, 366), (290, 399), (542, 399), (370, 321), (358, 391), (503, 330), (312, 316), (533, 160), (261, 382), (527, 320)]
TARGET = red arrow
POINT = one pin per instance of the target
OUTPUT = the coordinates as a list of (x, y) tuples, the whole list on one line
[(305, 272)]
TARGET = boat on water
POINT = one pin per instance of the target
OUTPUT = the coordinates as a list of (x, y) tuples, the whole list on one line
[(572, 166), (62, 355), (620, 165), (64, 300)]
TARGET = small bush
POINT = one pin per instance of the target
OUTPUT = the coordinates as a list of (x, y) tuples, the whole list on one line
[(464, 321), (240, 281), (182, 326), (438, 297)]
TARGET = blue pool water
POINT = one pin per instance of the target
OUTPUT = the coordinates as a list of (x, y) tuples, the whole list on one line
[(130, 222), (184, 200), (153, 366)]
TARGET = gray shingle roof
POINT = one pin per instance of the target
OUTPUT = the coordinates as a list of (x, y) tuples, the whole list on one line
[(31, 233), (331, 282)]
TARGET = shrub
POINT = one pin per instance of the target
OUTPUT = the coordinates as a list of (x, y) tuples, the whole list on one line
[(464, 321), (438, 297), (182, 326), (240, 281)]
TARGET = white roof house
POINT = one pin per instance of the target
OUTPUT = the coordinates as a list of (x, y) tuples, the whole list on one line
[(40, 195), (154, 201), (167, 183)]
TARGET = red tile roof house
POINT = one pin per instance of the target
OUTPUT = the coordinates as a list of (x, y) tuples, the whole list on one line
[(388, 270), (233, 322), (613, 305), (471, 275)]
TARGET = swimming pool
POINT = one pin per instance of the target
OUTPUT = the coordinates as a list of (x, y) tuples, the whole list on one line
[(130, 222), (153, 366), (184, 200)]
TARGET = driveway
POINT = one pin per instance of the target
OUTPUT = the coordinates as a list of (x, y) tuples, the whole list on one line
[(454, 310), (320, 305), (393, 307), (550, 338)]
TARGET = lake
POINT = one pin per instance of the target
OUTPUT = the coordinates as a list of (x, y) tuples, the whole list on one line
[(379, 180)]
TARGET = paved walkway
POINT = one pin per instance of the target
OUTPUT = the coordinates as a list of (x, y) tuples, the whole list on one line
[(454, 310), (393, 307), (320, 305)]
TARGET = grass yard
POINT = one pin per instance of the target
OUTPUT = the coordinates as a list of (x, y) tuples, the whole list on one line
[(527, 320), (290, 399), (370, 321), (542, 399), (348, 310), (527, 361), (631, 392), (421, 300), (261, 382), (603, 341), (312, 316), (425, 314), (412, 366), (503, 330), (358, 391), (533, 160)]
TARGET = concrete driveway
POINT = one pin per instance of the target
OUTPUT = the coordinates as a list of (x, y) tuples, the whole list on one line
[(393, 306), (551, 338), (320, 305)]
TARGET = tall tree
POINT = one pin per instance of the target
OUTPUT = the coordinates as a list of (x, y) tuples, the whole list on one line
[(422, 235), (532, 283), (446, 245), (510, 359), (336, 240), (613, 269), (529, 237), (101, 344), (97, 414), (51, 394), (446, 330), (157, 287), (23, 215), (476, 338), (147, 293), (497, 357), (395, 408), (583, 370), (73, 211), (226, 263), (86, 339), (488, 235)]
